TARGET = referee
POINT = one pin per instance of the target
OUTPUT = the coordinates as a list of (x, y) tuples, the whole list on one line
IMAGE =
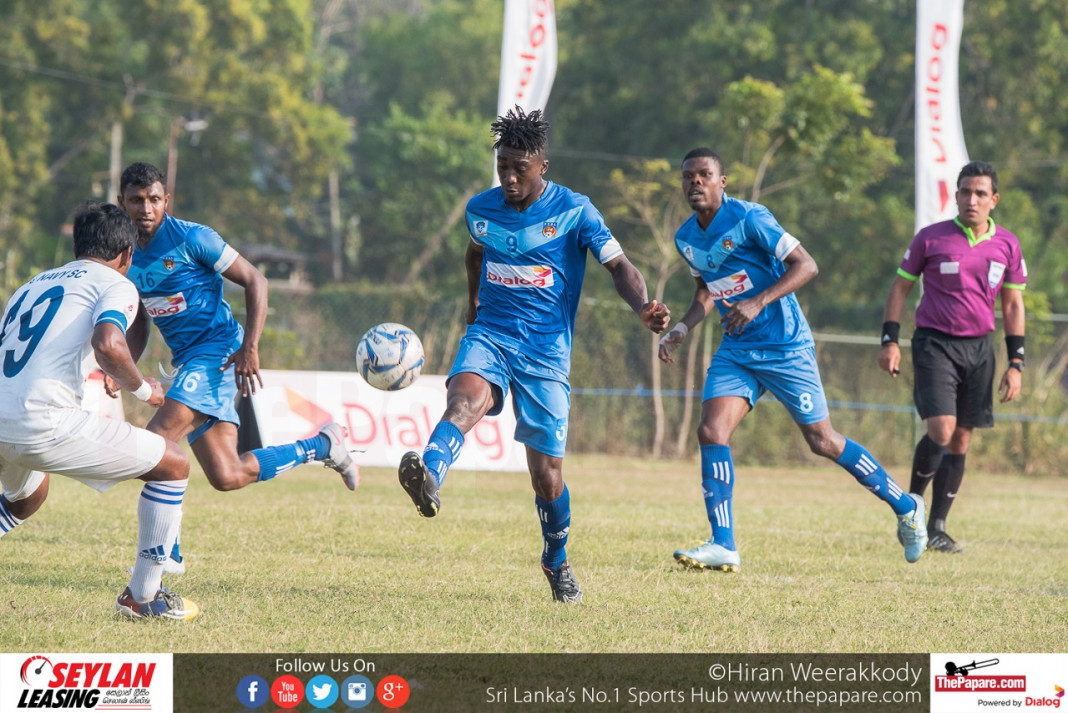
[(965, 264)]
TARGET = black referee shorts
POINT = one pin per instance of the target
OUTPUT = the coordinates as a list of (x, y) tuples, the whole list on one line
[(954, 377)]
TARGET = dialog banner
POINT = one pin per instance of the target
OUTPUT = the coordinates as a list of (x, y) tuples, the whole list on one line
[(382, 424)]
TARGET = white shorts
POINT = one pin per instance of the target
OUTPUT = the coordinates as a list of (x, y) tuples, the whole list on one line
[(90, 448)]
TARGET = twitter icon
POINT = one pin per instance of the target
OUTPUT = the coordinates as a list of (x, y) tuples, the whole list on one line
[(321, 691)]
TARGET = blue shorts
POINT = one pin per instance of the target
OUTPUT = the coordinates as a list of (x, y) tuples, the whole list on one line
[(537, 377), (792, 376), (201, 386)]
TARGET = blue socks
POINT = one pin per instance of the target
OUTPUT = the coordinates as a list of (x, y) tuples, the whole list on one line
[(442, 449), (278, 459), (862, 465), (717, 485), (555, 518), (8, 522)]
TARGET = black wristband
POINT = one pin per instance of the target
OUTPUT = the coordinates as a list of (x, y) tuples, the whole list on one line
[(1015, 344), (891, 331)]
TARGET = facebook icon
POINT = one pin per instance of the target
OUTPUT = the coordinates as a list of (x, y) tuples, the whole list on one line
[(253, 691)]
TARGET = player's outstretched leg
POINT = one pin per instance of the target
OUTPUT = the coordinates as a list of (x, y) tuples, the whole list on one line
[(328, 446), (912, 530), (421, 486), (719, 552), (422, 476), (338, 457), (909, 508)]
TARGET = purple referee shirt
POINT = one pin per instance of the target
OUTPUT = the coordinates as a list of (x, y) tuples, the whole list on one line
[(962, 275)]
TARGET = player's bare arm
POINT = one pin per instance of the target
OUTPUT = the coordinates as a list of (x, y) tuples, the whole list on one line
[(890, 355), (114, 358), (246, 359), (1013, 317), (473, 265), (700, 306), (136, 341), (800, 268), (630, 285)]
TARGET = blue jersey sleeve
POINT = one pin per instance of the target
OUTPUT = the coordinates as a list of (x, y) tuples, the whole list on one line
[(209, 249), (594, 234)]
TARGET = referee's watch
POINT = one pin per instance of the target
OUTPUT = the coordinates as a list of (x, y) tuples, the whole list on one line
[(1017, 365)]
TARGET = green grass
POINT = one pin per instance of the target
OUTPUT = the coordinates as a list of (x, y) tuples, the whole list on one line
[(302, 565)]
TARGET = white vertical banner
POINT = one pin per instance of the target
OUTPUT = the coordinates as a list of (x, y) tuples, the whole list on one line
[(528, 56), (940, 150)]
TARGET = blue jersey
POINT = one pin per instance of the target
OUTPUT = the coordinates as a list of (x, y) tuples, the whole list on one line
[(179, 277), (534, 261), (738, 256)]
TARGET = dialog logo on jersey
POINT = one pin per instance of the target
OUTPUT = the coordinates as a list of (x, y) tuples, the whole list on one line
[(519, 276), (731, 285), (166, 306)]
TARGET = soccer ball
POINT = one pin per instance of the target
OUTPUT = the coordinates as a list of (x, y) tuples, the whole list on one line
[(389, 356)]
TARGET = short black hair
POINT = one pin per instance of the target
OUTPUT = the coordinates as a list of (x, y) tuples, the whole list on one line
[(979, 168), (704, 152), (102, 231), (518, 130), (141, 175)]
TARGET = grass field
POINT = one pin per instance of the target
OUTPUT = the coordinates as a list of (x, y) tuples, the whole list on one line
[(303, 565)]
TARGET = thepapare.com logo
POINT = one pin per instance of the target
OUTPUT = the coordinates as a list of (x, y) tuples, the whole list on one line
[(83, 683)]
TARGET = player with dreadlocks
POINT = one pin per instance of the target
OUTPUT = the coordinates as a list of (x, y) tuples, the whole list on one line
[(525, 264)]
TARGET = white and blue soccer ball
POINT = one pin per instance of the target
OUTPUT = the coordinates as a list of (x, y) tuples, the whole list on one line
[(389, 356)]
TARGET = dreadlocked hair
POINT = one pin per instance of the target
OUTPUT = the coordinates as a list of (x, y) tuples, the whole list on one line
[(519, 130)]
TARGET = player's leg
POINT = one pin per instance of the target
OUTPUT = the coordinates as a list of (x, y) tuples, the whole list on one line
[(159, 519), (477, 385), (794, 378), (542, 407), (22, 493), (720, 417), (730, 392), (101, 452), (552, 501)]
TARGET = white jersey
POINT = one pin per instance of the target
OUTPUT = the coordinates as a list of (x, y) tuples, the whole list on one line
[(45, 344)]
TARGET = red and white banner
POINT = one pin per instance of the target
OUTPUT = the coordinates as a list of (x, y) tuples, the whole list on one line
[(940, 150), (382, 424), (528, 56)]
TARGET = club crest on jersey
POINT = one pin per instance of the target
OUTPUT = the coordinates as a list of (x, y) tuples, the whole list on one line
[(728, 244), (549, 230), (481, 228), (168, 263), (166, 306), (731, 285), (519, 276)]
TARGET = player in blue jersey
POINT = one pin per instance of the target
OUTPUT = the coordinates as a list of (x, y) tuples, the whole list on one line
[(525, 265), (178, 268), (748, 268)]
